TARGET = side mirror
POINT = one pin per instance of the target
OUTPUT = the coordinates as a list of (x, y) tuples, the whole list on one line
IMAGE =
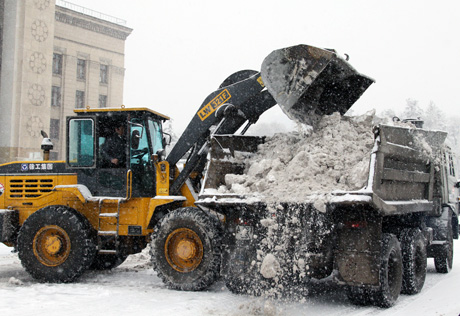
[(166, 139), (457, 184)]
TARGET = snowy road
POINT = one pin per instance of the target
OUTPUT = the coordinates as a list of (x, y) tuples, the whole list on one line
[(134, 288)]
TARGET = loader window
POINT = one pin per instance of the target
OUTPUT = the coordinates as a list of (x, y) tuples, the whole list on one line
[(139, 144), (81, 143), (143, 183), (156, 136)]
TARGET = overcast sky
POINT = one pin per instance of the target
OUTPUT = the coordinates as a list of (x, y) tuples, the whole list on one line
[(180, 51)]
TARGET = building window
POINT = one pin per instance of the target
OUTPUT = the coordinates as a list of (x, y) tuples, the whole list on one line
[(54, 128), (102, 101), (81, 69), (103, 78), (57, 64), (80, 99), (56, 96)]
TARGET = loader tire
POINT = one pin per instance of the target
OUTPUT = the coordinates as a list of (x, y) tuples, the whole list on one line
[(391, 270), (443, 259), (414, 252), (107, 262), (55, 244), (186, 249)]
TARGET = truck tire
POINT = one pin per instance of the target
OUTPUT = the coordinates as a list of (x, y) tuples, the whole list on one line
[(244, 279), (246, 285), (414, 252), (186, 249), (107, 262), (390, 279), (443, 259), (55, 244), (359, 295), (391, 271)]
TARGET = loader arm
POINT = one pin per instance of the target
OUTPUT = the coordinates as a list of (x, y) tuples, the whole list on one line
[(225, 110)]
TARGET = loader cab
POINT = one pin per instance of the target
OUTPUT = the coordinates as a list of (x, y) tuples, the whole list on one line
[(111, 150)]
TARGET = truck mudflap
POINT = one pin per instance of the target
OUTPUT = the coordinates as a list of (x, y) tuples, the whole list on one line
[(9, 225), (308, 82)]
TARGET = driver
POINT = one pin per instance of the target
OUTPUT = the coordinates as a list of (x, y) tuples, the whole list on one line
[(114, 148)]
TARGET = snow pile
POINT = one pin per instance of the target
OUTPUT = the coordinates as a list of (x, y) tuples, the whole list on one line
[(15, 281), (270, 266), (294, 165)]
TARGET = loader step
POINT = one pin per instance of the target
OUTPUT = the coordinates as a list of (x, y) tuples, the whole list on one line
[(108, 232), (114, 215), (107, 252)]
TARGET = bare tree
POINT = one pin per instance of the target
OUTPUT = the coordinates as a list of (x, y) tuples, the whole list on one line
[(412, 110), (434, 117)]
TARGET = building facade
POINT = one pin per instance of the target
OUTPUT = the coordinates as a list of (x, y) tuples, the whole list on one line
[(55, 57)]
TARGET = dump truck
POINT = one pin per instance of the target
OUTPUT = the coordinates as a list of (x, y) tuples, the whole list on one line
[(374, 241), (89, 212)]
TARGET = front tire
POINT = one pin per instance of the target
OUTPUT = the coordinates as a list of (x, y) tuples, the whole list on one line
[(55, 244), (186, 249), (443, 259)]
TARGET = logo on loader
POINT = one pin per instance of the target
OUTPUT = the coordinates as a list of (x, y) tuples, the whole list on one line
[(209, 108), (2, 189)]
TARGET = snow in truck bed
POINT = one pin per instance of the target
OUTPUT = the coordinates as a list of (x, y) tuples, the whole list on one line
[(307, 165)]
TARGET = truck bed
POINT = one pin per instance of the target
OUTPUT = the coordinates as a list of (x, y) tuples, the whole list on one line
[(401, 174)]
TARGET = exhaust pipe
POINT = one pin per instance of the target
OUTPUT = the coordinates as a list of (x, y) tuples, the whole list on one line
[(46, 146)]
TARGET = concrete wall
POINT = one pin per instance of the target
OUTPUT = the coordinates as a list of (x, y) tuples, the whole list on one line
[(27, 46), (32, 31)]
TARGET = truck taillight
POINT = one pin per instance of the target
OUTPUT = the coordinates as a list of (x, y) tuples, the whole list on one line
[(240, 221), (356, 224)]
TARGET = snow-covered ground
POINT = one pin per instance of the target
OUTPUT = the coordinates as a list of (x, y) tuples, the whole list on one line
[(133, 288)]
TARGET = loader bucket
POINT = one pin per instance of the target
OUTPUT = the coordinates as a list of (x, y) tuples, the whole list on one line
[(308, 82)]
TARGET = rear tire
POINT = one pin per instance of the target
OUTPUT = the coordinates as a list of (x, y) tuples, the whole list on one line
[(359, 296), (414, 253), (186, 249), (391, 270), (55, 244)]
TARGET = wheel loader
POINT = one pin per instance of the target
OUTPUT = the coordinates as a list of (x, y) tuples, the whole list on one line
[(84, 212)]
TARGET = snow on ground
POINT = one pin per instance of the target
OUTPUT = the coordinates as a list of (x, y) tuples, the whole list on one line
[(134, 288)]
